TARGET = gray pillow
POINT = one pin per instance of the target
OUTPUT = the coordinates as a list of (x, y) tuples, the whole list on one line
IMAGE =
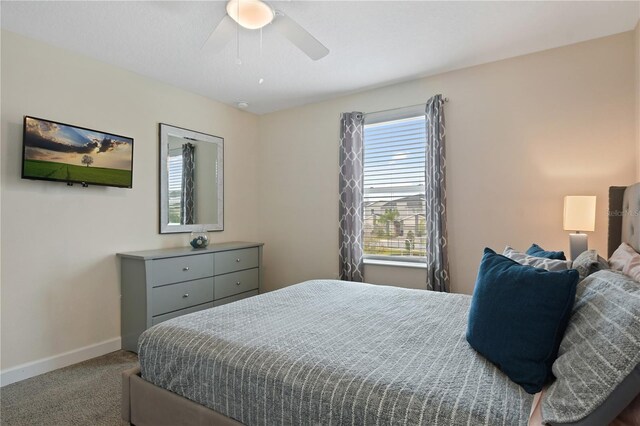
[(589, 262), (536, 262), (600, 348)]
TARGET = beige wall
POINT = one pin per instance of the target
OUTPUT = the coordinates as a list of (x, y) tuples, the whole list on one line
[(60, 283), (521, 134)]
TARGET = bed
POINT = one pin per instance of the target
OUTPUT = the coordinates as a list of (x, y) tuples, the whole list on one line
[(330, 352)]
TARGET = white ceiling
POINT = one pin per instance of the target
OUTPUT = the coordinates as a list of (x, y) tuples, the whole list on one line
[(372, 43)]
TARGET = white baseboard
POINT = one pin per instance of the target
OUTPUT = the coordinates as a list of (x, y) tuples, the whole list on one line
[(34, 368)]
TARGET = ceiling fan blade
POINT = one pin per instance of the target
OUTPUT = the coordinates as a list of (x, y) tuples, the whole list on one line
[(299, 36), (223, 33)]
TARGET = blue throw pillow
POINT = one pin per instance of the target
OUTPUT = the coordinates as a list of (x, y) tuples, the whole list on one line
[(518, 316), (537, 251)]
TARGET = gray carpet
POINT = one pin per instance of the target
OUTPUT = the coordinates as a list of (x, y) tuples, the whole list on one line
[(82, 394)]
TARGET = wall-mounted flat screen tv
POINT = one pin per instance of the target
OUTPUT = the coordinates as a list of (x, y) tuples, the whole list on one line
[(65, 153)]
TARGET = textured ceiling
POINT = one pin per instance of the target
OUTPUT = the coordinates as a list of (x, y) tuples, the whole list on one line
[(372, 43)]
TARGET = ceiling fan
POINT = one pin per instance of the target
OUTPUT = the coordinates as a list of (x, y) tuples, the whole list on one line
[(256, 14)]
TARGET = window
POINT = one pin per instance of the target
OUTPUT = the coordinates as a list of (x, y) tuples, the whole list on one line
[(394, 199)]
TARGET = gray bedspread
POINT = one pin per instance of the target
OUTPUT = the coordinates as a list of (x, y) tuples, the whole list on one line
[(334, 352)]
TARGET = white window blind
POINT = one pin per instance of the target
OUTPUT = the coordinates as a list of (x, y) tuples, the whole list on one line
[(394, 199), (174, 163)]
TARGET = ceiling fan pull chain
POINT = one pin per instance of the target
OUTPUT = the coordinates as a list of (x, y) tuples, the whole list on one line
[(260, 79), (238, 60)]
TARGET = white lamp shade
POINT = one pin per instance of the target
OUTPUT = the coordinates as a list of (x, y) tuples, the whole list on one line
[(579, 213), (251, 14)]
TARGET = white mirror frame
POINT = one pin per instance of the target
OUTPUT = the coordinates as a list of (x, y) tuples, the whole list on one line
[(167, 130)]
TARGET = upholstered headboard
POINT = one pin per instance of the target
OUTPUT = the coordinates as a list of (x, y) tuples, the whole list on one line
[(624, 217)]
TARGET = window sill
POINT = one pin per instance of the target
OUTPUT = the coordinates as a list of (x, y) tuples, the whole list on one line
[(399, 264)]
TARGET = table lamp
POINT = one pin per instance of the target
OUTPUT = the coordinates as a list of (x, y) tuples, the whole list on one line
[(579, 215)]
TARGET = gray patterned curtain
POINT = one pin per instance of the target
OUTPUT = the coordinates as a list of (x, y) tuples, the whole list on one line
[(436, 197), (187, 197), (351, 208)]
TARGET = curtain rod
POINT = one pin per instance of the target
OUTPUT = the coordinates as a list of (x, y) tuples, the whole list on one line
[(405, 107)]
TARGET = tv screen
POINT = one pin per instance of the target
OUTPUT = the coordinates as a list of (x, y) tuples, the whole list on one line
[(62, 152)]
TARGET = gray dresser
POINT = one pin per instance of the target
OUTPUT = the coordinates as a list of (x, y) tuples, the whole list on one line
[(158, 285)]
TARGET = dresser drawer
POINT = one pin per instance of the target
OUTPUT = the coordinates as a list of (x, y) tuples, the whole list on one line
[(183, 268), (161, 318), (236, 260), (172, 297), (237, 282), (237, 297)]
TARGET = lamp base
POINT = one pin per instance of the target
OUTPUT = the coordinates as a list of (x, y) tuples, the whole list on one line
[(577, 244)]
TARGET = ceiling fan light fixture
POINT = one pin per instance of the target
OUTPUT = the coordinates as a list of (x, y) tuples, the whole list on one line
[(251, 14)]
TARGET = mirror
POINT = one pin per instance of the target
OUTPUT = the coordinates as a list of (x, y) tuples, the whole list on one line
[(191, 181)]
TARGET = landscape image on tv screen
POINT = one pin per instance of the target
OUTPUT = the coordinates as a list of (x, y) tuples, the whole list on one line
[(61, 152)]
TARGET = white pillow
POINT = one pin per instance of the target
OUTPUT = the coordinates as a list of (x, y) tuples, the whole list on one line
[(632, 269), (536, 262), (623, 255), (626, 260)]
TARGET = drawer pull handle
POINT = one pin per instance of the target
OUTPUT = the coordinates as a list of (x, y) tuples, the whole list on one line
[(186, 268), (238, 260), (237, 282), (185, 295)]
